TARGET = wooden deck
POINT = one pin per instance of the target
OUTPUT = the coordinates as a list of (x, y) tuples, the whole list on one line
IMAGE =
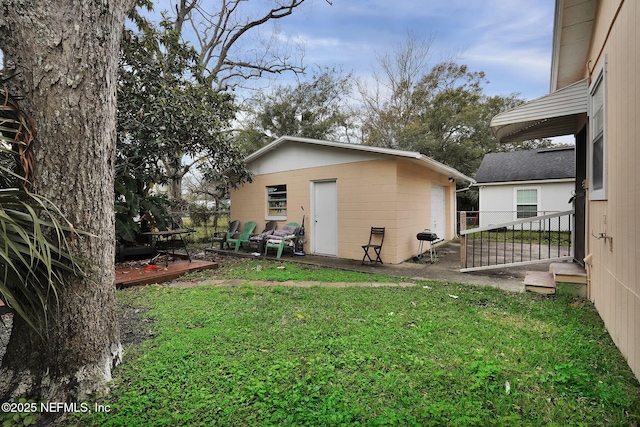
[(143, 275), (157, 273)]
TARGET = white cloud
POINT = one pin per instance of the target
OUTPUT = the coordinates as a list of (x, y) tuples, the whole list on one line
[(509, 40)]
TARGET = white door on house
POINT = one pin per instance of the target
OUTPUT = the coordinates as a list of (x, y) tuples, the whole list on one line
[(324, 198), (438, 211)]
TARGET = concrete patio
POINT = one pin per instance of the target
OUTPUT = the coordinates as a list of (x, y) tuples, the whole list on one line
[(445, 268)]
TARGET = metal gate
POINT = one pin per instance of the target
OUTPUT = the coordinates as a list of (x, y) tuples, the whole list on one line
[(532, 240)]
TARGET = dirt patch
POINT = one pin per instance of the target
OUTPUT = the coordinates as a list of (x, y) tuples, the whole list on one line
[(134, 328)]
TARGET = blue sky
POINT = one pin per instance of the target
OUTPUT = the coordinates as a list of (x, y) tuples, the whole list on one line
[(510, 40)]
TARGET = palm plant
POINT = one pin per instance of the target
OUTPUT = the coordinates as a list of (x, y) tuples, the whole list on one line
[(36, 241)]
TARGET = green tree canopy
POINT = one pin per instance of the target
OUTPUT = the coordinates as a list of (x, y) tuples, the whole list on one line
[(446, 116), (315, 108), (170, 121)]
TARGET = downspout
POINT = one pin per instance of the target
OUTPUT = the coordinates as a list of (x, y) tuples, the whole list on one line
[(464, 189)]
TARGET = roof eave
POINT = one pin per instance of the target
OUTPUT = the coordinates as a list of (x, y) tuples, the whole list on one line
[(573, 25), (444, 169), (554, 114), (524, 182)]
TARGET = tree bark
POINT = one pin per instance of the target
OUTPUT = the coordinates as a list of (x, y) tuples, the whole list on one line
[(175, 188), (65, 56)]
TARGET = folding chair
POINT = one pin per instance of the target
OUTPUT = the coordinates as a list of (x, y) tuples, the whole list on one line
[(377, 248)]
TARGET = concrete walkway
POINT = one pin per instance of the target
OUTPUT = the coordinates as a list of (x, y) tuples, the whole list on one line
[(445, 268)]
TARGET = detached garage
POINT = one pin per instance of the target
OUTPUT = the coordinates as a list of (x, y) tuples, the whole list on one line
[(345, 189)]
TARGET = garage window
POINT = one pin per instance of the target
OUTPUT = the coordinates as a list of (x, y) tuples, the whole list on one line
[(277, 201)]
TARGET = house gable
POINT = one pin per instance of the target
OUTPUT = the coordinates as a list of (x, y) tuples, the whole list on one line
[(291, 156), (303, 153)]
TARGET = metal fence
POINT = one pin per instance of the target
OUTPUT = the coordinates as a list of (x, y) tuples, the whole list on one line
[(524, 241), (494, 218)]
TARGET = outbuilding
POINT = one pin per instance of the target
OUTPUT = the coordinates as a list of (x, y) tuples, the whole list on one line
[(342, 190), (523, 184)]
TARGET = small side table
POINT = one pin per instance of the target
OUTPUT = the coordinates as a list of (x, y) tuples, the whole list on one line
[(170, 240)]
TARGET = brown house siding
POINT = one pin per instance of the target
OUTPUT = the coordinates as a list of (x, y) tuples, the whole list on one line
[(615, 275)]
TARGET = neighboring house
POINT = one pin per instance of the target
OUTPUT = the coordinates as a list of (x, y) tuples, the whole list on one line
[(595, 95), (344, 190), (522, 184)]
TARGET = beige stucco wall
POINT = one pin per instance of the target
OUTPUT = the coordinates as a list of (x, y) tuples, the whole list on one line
[(414, 213), (380, 193), (614, 273)]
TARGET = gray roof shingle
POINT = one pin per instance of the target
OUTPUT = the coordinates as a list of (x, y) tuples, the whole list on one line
[(530, 165)]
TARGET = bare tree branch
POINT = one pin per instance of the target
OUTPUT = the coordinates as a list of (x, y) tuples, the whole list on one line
[(220, 34)]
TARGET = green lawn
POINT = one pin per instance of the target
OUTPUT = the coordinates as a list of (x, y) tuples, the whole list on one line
[(435, 354), (281, 271), (562, 238)]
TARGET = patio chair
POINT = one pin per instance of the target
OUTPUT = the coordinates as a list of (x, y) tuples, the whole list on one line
[(259, 239), (377, 233), (281, 239), (238, 238), (221, 236)]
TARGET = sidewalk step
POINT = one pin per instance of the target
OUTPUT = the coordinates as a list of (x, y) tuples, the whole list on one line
[(568, 272), (540, 282)]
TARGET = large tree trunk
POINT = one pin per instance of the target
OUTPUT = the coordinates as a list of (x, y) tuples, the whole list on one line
[(65, 57), (175, 188)]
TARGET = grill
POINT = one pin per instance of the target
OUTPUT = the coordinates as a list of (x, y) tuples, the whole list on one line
[(425, 236)]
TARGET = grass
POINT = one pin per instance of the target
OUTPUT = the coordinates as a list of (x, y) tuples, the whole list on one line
[(203, 231), (282, 271), (562, 238), (438, 354)]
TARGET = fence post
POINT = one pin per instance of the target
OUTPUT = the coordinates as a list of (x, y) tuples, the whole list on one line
[(463, 239)]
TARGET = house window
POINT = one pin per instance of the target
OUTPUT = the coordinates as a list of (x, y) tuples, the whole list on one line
[(526, 203), (277, 201), (598, 145)]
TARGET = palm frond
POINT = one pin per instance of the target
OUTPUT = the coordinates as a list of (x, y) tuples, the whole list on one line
[(16, 137), (36, 241), (36, 252)]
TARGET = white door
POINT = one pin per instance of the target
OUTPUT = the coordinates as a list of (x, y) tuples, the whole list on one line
[(438, 211), (325, 218)]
